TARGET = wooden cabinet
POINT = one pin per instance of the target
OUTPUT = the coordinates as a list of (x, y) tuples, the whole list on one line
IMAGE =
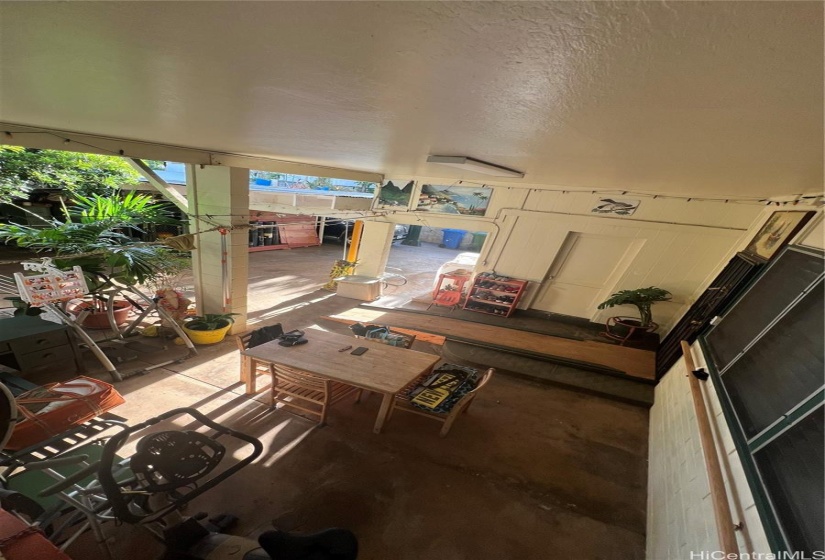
[(32, 345), (494, 294)]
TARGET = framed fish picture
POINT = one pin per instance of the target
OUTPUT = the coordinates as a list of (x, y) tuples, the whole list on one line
[(616, 206)]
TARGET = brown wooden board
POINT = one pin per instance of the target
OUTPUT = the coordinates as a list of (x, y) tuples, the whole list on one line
[(420, 336), (631, 361)]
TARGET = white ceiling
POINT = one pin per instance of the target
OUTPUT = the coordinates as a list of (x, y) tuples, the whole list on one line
[(678, 97)]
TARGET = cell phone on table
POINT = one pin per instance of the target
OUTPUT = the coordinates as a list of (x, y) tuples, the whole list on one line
[(358, 351)]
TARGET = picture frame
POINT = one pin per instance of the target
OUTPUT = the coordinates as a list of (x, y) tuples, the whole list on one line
[(777, 232), (452, 199), (394, 195)]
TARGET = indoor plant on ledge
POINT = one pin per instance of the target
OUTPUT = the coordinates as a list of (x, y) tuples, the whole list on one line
[(624, 328)]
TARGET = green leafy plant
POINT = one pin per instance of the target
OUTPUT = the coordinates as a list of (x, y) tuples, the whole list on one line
[(95, 236), (209, 322), (642, 298)]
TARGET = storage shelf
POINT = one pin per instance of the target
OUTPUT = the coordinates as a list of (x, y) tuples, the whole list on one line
[(477, 288), (484, 311), (474, 303), (488, 302)]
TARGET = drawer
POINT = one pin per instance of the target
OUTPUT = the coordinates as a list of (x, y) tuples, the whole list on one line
[(60, 356), (61, 366), (40, 341)]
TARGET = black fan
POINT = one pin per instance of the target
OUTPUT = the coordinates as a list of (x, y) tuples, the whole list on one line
[(168, 460)]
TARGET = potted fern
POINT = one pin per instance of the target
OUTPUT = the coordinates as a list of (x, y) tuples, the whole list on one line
[(643, 299)]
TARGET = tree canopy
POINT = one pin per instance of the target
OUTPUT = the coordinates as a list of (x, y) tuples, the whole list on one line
[(24, 169)]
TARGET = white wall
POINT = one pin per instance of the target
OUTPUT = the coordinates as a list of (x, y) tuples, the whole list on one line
[(680, 517), (681, 243)]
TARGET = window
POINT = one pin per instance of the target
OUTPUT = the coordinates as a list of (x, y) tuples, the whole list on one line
[(766, 356)]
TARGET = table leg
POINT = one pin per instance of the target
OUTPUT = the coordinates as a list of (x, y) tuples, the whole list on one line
[(383, 412), (248, 374)]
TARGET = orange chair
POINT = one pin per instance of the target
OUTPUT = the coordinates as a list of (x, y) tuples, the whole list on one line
[(447, 298)]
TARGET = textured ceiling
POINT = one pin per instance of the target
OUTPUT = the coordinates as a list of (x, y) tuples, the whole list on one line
[(680, 97)]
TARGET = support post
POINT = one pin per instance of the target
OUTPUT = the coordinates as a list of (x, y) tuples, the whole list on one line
[(219, 196)]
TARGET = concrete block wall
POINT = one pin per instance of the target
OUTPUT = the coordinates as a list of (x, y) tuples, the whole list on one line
[(680, 517)]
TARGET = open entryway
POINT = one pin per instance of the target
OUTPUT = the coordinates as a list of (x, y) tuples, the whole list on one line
[(422, 256)]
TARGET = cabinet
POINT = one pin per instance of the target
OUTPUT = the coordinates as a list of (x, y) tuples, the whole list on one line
[(32, 345), (494, 294)]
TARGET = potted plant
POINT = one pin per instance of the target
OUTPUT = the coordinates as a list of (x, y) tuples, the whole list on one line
[(97, 316), (643, 299), (96, 236), (208, 329)]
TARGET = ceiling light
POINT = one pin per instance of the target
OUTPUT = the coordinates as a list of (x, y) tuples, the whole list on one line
[(477, 166)]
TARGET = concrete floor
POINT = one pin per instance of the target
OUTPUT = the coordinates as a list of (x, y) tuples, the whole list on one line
[(531, 472)]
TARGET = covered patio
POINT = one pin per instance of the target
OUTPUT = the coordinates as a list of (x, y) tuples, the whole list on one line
[(531, 470)]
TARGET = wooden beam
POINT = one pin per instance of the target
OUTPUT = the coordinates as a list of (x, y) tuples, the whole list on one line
[(55, 139), (293, 167), (156, 181)]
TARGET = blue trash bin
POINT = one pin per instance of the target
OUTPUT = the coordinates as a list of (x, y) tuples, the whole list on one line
[(452, 238)]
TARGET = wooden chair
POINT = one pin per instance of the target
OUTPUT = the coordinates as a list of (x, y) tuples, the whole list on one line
[(402, 402), (306, 392), (257, 368)]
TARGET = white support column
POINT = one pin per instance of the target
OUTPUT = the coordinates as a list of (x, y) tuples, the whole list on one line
[(375, 248), (223, 194)]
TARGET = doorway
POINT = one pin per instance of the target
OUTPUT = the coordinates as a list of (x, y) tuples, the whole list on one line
[(585, 266)]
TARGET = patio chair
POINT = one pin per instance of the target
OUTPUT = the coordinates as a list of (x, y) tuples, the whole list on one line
[(308, 393), (256, 338), (447, 298), (402, 402), (52, 483)]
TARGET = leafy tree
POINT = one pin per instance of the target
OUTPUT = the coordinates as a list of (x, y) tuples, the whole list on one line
[(24, 169)]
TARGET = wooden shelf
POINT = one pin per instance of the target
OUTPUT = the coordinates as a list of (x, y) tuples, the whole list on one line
[(489, 302), (473, 303)]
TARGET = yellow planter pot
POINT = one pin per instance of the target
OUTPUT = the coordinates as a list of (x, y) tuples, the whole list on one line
[(207, 337)]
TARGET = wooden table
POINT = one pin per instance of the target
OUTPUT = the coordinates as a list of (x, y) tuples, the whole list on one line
[(383, 369)]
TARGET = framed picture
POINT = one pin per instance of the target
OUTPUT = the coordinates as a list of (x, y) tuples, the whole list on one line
[(394, 195), (777, 231), (444, 199)]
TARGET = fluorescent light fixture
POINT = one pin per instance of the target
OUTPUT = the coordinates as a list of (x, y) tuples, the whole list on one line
[(475, 165)]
